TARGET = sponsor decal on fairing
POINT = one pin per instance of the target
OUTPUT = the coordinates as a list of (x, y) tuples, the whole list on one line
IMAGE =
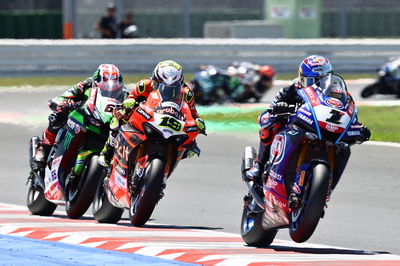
[(334, 102), (191, 129), (143, 113), (278, 148), (305, 118), (331, 128), (353, 133), (120, 181), (74, 126)]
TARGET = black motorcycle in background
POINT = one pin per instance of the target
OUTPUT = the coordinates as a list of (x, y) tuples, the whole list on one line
[(388, 82)]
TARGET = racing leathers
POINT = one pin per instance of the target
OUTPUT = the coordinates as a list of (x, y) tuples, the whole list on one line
[(138, 94), (61, 107), (271, 125)]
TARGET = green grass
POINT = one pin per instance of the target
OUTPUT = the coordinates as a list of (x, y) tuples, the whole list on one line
[(70, 80), (64, 80), (384, 122)]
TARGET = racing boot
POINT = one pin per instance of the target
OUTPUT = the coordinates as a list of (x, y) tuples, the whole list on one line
[(254, 173), (40, 157), (106, 155)]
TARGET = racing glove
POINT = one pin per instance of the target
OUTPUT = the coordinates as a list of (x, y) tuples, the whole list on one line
[(57, 120), (129, 103), (66, 106), (281, 107), (201, 125)]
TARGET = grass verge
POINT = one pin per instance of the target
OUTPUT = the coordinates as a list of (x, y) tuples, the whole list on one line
[(383, 121), (63, 80), (71, 80)]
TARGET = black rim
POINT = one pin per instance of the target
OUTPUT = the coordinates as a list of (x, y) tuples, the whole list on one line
[(298, 214), (248, 223)]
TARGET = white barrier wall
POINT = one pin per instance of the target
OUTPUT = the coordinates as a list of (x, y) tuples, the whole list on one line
[(141, 55)]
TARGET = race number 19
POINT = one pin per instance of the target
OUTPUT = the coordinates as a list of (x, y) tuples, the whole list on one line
[(171, 123)]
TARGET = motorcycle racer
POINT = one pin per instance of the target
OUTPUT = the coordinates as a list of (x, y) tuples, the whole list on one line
[(165, 73), (311, 70), (106, 77)]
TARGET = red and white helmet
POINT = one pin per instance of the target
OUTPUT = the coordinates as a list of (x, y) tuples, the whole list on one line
[(167, 72), (108, 78)]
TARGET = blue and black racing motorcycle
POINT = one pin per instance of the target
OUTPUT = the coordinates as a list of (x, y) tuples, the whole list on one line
[(307, 158)]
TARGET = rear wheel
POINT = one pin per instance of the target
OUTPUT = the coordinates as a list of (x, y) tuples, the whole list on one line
[(253, 234), (147, 195), (305, 219), (79, 198), (37, 202), (103, 210)]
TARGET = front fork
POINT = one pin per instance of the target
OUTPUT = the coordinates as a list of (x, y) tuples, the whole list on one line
[(141, 160), (298, 186)]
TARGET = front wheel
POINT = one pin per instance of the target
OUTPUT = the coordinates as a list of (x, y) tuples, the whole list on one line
[(78, 199), (253, 234), (103, 210), (36, 201), (305, 219), (144, 200)]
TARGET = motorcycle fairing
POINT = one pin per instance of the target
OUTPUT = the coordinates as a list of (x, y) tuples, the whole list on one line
[(64, 154), (325, 114), (127, 140), (101, 107), (283, 155)]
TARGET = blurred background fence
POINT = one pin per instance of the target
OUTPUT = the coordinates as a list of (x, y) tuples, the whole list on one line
[(186, 18), (66, 57)]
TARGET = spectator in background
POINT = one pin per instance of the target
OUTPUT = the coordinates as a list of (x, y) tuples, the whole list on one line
[(107, 25), (127, 27)]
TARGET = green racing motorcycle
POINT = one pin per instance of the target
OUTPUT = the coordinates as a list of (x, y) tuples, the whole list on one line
[(72, 173)]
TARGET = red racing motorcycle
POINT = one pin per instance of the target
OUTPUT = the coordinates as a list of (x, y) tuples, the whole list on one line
[(160, 132)]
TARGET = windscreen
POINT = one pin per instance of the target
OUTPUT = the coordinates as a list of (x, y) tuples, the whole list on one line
[(170, 93), (333, 86), (111, 88)]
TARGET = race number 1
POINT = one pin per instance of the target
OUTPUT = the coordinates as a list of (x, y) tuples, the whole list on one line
[(335, 117)]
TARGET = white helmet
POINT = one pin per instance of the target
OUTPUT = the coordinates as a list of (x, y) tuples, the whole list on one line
[(168, 72)]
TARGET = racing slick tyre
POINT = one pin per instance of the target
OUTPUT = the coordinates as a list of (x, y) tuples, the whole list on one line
[(304, 220), (147, 195), (79, 197), (103, 210), (253, 234), (37, 203)]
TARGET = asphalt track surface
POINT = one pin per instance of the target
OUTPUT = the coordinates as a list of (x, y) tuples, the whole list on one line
[(207, 192)]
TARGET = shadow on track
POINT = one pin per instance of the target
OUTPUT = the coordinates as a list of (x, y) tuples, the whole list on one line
[(125, 222), (164, 226), (327, 250)]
